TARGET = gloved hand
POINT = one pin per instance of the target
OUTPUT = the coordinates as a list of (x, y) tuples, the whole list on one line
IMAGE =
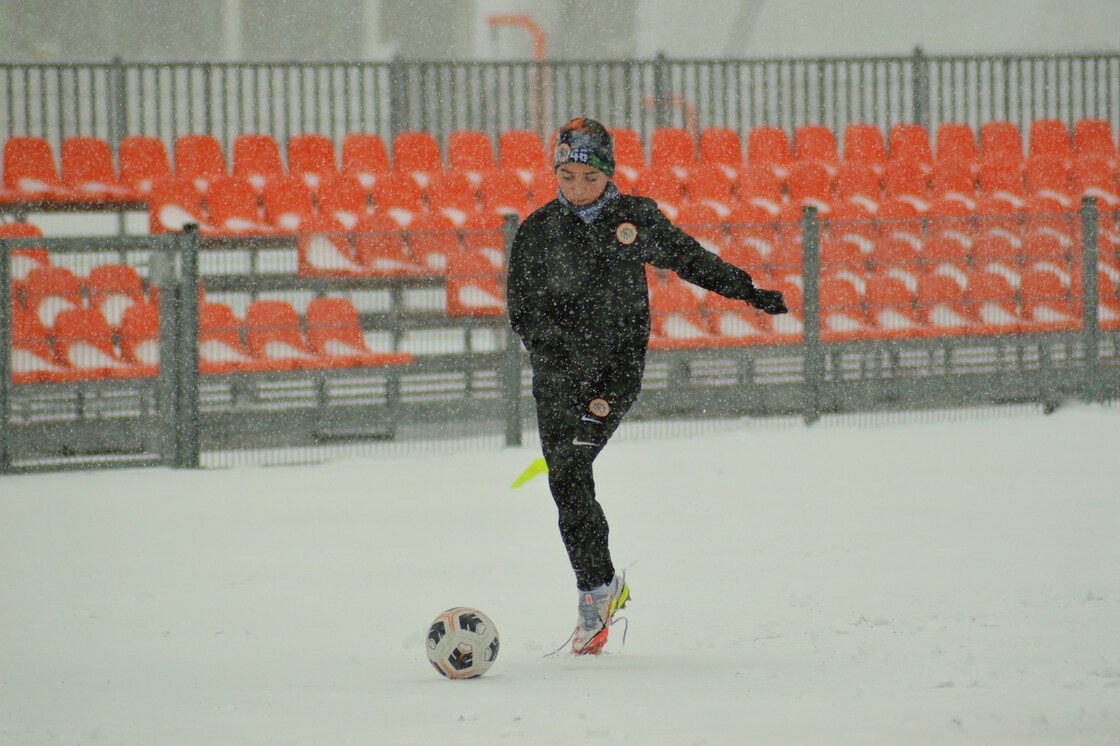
[(768, 301)]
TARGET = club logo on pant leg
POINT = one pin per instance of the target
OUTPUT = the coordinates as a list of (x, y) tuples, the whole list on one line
[(599, 407), (627, 234)]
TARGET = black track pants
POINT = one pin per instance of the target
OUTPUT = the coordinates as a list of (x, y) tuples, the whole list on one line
[(571, 437)]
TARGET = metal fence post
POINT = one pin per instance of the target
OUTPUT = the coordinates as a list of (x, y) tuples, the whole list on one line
[(5, 356), (920, 81), (118, 117), (187, 374), (511, 367), (811, 313), (662, 92), (1090, 250), (398, 96), (163, 275)]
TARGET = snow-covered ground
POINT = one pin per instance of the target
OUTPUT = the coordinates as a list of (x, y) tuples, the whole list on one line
[(952, 582)]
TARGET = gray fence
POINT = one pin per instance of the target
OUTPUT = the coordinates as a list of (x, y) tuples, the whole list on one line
[(284, 98), (179, 417)]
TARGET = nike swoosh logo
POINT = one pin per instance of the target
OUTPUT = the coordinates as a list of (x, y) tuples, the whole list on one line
[(597, 421), (578, 442)]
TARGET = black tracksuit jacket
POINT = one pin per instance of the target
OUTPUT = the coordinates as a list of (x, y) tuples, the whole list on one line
[(578, 297)]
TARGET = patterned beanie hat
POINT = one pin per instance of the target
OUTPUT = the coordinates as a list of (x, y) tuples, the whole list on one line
[(585, 141)]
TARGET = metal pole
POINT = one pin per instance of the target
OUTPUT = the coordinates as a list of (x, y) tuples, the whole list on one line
[(662, 93), (811, 312), (511, 369), (162, 274), (5, 356), (920, 78), (189, 449), (1090, 250)]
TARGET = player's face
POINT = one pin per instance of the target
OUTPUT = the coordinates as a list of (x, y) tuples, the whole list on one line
[(581, 184)]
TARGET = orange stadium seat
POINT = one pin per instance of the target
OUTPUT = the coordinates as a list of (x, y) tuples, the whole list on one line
[(890, 307), (955, 179), (472, 286), (288, 205), (815, 142), (992, 298), (672, 148), (676, 315), (1001, 138), (842, 314), (769, 146), (432, 241), (25, 259), (629, 153), (1046, 303), (172, 204), (398, 192), (31, 174), (379, 246), (50, 290), (910, 142), (87, 168), (113, 289), (857, 183), (232, 208), (1047, 177), (343, 198), (324, 249), (311, 157), (864, 142), (704, 223), (1050, 137), (941, 305), (272, 333), (543, 190), (1092, 176), (482, 231), (143, 162), (757, 185), (33, 360), (470, 152), (1095, 137), (451, 193), (504, 192), (708, 183), (139, 332), (663, 187), (417, 154), (256, 160), (220, 347), (722, 147), (735, 322), (83, 342), (907, 180), (199, 160), (810, 183), (335, 333), (365, 157), (523, 152), (957, 142)]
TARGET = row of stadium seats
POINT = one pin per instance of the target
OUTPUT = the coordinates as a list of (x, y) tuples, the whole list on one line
[(714, 154), (895, 303), (81, 345)]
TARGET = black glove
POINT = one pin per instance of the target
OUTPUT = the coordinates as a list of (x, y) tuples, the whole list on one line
[(768, 301)]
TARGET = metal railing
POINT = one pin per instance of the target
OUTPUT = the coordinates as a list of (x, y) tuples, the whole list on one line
[(114, 100), (183, 418)]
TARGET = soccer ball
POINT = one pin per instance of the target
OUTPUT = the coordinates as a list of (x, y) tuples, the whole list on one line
[(462, 643)]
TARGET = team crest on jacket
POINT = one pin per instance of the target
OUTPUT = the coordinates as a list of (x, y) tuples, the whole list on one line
[(599, 407), (627, 234)]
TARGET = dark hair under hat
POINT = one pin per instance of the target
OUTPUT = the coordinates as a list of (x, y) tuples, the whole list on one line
[(585, 141)]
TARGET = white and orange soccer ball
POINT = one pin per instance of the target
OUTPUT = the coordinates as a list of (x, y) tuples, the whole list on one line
[(462, 643)]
